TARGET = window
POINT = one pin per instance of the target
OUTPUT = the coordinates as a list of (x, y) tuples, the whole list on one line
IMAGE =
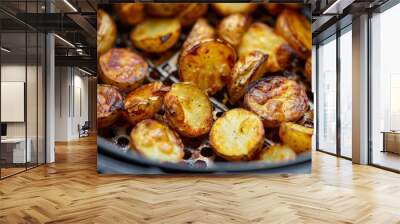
[(327, 96)]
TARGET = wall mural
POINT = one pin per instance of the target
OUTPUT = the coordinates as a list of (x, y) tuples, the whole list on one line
[(194, 87)]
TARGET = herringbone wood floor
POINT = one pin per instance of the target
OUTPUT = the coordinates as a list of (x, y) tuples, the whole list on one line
[(70, 191)]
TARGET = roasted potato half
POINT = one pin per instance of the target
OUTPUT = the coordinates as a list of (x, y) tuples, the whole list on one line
[(296, 136), (122, 68), (207, 64), (232, 28), (226, 9), (308, 69), (237, 135), (277, 153), (106, 32), (261, 37), (130, 13), (109, 105), (191, 13), (276, 100), (165, 9), (156, 35), (201, 30), (156, 141), (188, 110), (246, 70), (296, 29), (144, 102)]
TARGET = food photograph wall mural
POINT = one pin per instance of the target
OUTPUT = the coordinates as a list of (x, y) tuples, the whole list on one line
[(204, 88)]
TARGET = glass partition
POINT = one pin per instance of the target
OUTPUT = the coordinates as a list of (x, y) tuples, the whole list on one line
[(385, 89)]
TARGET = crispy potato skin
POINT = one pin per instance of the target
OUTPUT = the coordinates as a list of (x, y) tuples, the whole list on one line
[(232, 28), (277, 153), (144, 102), (261, 37), (106, 32), (296, 136), (207, 64), (246, 70), (165, 9), (238, 135), (156, 35), (276, 100), (130, 13), (109, 104), (191, 13), (296, 29), (201, 30), (122, 68), (156, 141), (308, 69), (226, 9), (188, 110)]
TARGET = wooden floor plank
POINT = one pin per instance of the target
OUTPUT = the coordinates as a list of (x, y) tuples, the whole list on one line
[(71, 191)]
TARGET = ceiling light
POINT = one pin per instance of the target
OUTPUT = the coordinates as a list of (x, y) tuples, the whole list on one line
[(84, 71), (5, 50), (70, 5), (64, 40)]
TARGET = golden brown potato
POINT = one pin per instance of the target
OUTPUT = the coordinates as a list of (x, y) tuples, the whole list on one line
[(201, 30), (232, 28), (188, 110), (130, 13), (165, 9), (191, 13), (109, 104), (296, 29), (144, 102), (122, 68), (277, 153), (261, 37), (296, 136), (237, 135), (276, 8), (276, 100), (106, 32), (308, 69), (246, 70), (156, 141), (225, 9), (156, 35), (207, 64)]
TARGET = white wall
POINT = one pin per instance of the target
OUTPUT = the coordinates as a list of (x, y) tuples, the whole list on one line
[(71, 94)]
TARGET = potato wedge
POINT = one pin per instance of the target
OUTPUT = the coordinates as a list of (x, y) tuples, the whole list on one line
[(261, 37), (296, 136), (201, 30), (144, 102), (308, 69), (276, 100), (191, 13), (188, 110), (156, 141), (277, 153), (232, 28), (207, 64), (296, 29), (109, 105), (106, 32), (237, 135), (130, 13), (156, 35), (122, 68), (226, 9), (246, 70), (165, 9)]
